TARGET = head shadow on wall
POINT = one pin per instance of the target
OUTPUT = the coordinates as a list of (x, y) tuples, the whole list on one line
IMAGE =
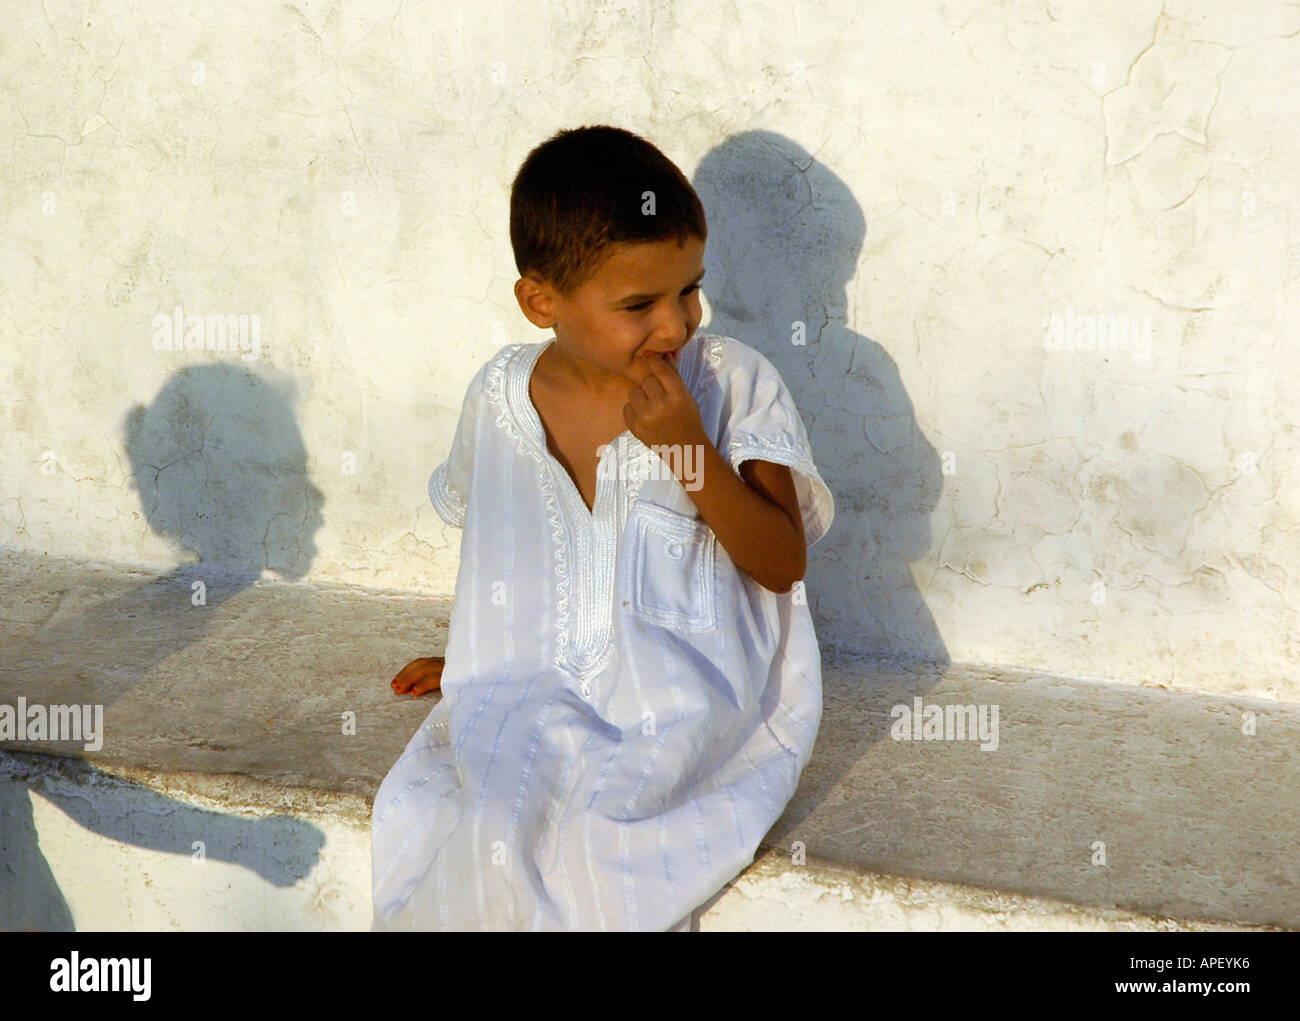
[(221, 470), (220, 467), (785, 234)]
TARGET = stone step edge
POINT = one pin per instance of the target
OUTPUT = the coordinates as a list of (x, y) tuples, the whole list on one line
[(774, 885), (235, 793), (864, 900)]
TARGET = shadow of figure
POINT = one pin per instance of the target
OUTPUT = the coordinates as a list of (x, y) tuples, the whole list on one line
[(221, 470), (785, 234), (784, 237)]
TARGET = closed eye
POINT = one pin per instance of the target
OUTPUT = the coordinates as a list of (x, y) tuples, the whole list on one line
[(642, 306)]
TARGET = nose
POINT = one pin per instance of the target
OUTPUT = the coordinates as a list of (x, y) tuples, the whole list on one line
[(673, 330)]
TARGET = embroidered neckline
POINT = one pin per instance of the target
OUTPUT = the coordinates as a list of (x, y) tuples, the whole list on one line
[(584, 542)]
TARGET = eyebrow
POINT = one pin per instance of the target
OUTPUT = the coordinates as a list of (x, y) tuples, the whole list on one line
[(636, 298)]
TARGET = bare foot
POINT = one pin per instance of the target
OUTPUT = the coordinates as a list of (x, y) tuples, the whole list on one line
[(419, 676)]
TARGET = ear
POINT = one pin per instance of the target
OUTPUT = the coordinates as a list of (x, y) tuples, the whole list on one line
[(536, 301)]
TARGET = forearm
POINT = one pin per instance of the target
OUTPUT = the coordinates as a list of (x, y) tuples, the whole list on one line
[(757, 534)]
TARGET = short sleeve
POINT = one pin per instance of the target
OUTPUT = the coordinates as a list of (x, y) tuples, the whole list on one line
[(449, 484), (763, 424)]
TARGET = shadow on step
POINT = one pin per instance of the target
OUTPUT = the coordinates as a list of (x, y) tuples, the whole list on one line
[(280, 849), (1167, 803)]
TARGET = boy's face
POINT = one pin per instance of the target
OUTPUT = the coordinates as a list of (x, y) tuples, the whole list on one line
[(644, 297)]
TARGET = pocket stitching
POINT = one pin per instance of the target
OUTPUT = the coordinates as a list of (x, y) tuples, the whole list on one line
[(676, 528)]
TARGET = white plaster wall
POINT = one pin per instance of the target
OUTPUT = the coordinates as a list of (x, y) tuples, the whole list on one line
[(342, 172)]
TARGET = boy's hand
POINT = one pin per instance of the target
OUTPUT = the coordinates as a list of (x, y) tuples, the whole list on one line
[(419, 676), (660, 410)]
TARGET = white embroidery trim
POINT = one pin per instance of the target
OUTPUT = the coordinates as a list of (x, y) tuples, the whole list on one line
[(660, 527), (494, 384), (446, 498), (814, 498), (584, 646)]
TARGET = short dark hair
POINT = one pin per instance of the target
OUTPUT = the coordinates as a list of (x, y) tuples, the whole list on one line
[(582, 190)]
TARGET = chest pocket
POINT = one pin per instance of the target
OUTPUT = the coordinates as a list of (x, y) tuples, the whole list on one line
[(671, 575)]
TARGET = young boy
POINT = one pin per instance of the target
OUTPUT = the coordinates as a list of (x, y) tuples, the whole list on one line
[(632, 684)]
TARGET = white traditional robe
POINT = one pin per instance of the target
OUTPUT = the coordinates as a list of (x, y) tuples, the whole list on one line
[(624, 712)]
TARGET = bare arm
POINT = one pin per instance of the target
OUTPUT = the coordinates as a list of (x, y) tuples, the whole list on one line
[(755, 514)]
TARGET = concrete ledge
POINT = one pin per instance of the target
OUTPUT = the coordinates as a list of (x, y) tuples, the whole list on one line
[(227, 724), (773, 895), (113, 849), (1198, 819)]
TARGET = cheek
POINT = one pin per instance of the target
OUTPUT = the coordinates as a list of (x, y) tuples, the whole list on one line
[(695, 311)]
